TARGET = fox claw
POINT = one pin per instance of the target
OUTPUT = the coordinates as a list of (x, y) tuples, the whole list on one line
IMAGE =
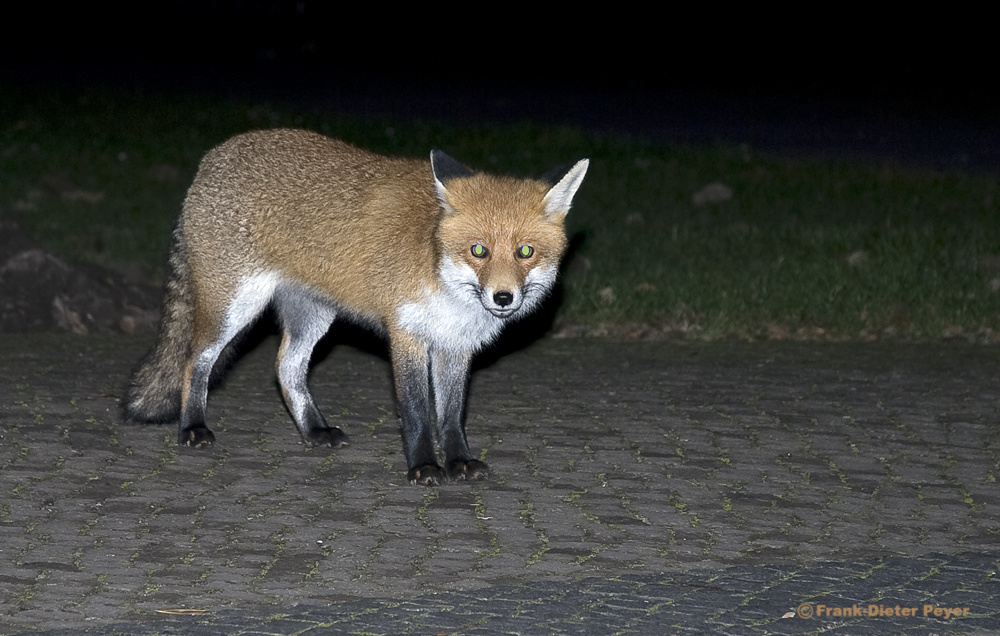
[(468, 469), (196, 437), (426, 475), (332, 437)]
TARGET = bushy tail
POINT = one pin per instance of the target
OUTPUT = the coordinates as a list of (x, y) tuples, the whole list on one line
[(154, 393)]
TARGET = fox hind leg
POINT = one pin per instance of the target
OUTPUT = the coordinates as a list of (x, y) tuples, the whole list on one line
[(193, 430), (210, 339), (304, 320)]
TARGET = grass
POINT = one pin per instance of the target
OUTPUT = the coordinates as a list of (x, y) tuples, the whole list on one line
[(801, 248), (809, 247)]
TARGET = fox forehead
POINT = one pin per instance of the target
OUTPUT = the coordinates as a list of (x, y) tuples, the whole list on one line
[(500, 212), (501, 200)]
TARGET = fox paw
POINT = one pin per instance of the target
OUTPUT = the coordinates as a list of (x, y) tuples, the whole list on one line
[(426, 475), (332, 437), (196, 437), (468, 469)]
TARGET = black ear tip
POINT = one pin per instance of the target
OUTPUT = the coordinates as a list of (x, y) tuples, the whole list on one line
[(445, 167)]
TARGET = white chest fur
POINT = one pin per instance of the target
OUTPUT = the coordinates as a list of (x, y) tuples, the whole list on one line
[(451, 323), (453, 318)]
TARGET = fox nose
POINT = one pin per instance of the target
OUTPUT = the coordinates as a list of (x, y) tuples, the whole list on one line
[(503, 298)]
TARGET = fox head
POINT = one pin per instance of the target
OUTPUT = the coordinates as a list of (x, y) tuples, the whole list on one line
[(501, 239)]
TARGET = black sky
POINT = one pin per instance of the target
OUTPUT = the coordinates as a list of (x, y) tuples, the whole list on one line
[(915, 87)]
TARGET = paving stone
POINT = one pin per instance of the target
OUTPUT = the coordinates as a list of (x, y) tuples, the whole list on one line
[(639, 488)]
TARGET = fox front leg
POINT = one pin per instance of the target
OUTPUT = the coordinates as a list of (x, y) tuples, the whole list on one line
[(449, 375), (410, 370)]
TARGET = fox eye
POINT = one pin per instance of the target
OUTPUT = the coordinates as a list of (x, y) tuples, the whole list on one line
[(525, 251), (479, 250)]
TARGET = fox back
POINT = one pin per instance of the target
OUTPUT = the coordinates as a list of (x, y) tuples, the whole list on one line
[(435, 256)]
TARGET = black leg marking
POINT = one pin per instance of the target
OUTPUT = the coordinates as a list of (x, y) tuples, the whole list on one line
[(426, 475), (321, 434), (450, 374), (468, 469), (413, 406), (192, 430), (196, 437)]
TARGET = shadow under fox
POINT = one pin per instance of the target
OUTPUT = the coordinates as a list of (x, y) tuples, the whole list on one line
[(428, 253)]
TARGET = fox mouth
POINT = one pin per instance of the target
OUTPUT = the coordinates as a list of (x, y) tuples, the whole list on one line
[(508, 305), (502, 312)]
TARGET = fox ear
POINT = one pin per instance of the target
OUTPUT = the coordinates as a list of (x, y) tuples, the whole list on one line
[(444, 168), (559, 198)]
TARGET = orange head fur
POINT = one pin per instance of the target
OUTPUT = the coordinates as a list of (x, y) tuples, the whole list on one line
[(500, 228)]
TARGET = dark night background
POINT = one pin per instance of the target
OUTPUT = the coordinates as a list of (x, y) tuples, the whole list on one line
[(919, 89)]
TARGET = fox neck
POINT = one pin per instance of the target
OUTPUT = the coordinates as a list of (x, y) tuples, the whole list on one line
[(460, 315), (451, 317)]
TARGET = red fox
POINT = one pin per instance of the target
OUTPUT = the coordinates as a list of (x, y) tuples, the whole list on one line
[(429, 253)]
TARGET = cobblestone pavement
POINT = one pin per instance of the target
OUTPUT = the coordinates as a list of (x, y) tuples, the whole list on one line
[(639, 489)]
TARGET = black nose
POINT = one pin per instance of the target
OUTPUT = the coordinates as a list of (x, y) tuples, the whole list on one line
[(503, 298)]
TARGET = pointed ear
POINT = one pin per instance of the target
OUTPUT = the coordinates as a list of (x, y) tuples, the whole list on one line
[(444, 168), (559, 198)]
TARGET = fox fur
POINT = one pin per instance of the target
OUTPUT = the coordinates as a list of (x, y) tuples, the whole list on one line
[(434, 256)]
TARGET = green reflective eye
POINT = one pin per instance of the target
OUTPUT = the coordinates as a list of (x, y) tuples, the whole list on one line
[(479, 250), (525, 251)]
